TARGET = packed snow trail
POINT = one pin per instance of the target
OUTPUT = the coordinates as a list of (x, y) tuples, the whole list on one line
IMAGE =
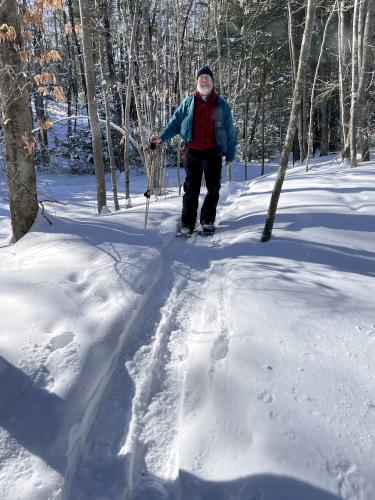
[(154, 356)]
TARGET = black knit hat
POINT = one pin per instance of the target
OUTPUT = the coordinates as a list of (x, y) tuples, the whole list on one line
[(205, 71)]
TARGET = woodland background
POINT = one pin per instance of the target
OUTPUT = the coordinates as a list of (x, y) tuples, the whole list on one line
[(127, 65)]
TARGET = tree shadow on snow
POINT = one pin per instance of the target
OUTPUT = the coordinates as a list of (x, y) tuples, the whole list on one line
[(31, 415), (257, 487), (338, 257)]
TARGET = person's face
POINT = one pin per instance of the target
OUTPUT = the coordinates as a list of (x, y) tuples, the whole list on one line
[(204, 84)]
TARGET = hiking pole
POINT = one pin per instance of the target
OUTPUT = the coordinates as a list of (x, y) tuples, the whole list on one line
[(148, 192)]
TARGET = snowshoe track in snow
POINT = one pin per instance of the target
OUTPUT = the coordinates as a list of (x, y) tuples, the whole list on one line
[(137, 426)]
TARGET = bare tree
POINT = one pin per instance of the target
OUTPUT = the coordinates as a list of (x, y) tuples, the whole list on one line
[(108, 119), (365, 70), (218, 44), (301, 75), (322, 46), (19, 142), (127, 108), (344, 64), (353, 106), (86, 22)]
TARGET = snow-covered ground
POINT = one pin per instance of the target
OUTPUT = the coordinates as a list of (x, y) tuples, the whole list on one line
[(134, 365)]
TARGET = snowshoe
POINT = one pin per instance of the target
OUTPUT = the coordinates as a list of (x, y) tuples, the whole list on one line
[(207, 230), (184, 232)]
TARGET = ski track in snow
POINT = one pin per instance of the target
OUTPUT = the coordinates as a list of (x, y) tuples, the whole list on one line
[(132, 432)]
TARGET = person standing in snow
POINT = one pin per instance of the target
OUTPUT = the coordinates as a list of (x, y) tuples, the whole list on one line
[(204, 121)]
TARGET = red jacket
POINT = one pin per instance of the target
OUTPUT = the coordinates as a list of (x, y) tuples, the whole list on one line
[(204, 122)]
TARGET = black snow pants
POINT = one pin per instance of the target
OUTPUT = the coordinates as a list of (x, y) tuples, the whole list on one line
[(196, 162)]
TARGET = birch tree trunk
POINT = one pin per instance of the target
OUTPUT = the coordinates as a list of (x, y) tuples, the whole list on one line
[(301, 75), (17, 124), (293, 62), (87, 29)]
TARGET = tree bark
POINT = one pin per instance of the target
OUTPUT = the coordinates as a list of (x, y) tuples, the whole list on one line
[(39, 102), (344, 63), (301, 76), (108, 125), (112, 74), (72, 89), (323, 105), (86, 23), (354, 101), (127, 107), (77, 45), (366, 61), (218, 44), (17, 124)]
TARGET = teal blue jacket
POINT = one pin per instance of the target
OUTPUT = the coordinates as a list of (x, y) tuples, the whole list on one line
[(182, 123)]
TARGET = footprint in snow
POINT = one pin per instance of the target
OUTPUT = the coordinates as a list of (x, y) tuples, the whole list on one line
[(151, 490), (220, 348), (350, 484), (42, 377), (60, 341), (266, 397), (73, 277), (337, 468)]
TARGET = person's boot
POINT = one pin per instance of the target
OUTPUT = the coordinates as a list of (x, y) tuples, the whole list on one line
[(207, 229), (184, 231)]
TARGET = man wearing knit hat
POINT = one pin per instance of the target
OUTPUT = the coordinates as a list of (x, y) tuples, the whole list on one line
[(204, 121)]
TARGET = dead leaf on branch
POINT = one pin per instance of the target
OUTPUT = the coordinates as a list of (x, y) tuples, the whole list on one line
[(52, 90), (59, 93), (33, 18), (45, 125), (28, 36), (44, 78), (29, 141), (55, 4), (44, 90), (24, 56), (52, 55), (7, 33)]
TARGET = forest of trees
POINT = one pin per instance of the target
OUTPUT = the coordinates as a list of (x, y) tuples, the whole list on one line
[(297, 74)]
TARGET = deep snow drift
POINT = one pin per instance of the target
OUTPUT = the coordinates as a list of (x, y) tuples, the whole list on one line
[(137, 366)]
